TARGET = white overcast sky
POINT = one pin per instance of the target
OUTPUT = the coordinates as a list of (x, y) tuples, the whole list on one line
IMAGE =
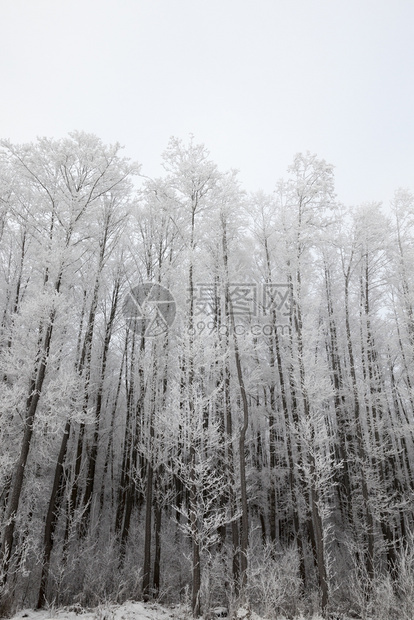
[(255, 80)]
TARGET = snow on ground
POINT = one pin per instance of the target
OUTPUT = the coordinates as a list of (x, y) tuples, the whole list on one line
[(127, 611)]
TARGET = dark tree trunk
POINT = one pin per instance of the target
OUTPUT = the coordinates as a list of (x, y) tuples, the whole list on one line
[(52, 516), (18, 476)]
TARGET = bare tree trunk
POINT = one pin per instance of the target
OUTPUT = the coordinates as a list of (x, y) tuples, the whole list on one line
[(146, 573), (157, 548), (316, 525), (196, 566), (345, 438), (244, 534), (360, 449), (18, 477), (91, 467), (52, 517)]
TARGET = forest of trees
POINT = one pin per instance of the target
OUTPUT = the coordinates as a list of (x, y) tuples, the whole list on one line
[(256, 447)]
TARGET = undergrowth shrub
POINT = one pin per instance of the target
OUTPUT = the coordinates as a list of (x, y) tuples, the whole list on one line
[(274, 586)]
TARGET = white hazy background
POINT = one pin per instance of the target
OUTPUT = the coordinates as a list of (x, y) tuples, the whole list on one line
[(255, 80)]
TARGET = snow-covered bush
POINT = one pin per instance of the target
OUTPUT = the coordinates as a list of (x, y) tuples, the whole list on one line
[(274, 586)]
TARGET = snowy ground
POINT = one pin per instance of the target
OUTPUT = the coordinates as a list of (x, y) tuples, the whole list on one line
[(127, 611)]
